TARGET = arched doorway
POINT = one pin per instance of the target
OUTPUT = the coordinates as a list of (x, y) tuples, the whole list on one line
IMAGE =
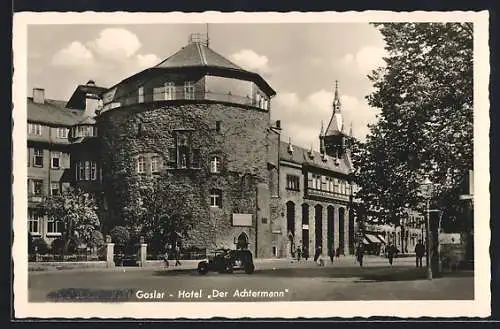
[(341, 229), (242, 241), (305, 227), (290, 226), (318, 226), (330, 228)]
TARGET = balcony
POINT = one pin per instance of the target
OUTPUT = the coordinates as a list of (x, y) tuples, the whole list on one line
[(316, 193)]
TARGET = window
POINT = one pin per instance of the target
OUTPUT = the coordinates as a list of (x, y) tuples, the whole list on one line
[(216, 198), (80, 170), (172, 158), (87, 170), (93, 170), (188, 90), (55, 160), (293, 182), (33, 221), (215, 163), (37, 187), (316, 182), (155, 164), (34, 129), (38, 158), (196, 159), (62, 132), (54, 226), (141, 95), (169, 91), (141, 165), (336, 185), (54, 188)]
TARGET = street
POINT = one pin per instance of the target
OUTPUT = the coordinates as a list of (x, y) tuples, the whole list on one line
[(276, 280)]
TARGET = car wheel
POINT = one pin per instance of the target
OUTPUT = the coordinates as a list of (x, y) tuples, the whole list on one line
[(249, 269), (202, 268)]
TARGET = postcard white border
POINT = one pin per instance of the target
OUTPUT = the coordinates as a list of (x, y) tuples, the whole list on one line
[(480, 307)]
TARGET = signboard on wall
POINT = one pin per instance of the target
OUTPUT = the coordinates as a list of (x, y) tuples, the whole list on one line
[(449, 238), (242, 219)]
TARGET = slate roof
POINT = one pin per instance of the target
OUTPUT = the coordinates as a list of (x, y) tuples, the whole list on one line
[(301, 156), (197, 54), (52, 112)]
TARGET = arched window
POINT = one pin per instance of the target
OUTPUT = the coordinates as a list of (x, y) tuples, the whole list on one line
[(215, 164), (141, 165), (242, 241)]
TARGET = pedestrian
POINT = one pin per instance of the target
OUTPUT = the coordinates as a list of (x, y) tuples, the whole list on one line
[(337, 252), (360, 252), (419, 253), (390, 253), (165, 259), (317, 253), (299, 254), (331, 253), (177, 254), (305, 252)]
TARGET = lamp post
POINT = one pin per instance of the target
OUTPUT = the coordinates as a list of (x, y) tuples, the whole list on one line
[(426, 191)]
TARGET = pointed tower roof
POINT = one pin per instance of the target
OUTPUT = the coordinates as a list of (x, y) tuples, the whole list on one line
[(336, 125)]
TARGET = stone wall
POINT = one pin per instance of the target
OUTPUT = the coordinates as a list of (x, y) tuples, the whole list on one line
[(149, 128)]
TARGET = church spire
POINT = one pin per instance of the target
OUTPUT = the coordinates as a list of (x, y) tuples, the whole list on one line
[(336, 98)]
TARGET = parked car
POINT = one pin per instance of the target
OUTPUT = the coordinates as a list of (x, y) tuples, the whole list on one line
[(227, 261)]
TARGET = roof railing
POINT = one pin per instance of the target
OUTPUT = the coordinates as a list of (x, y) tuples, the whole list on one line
[(199, 38)]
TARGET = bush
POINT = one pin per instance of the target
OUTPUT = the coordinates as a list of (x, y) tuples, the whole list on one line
[(119, 235), (58, 245), (41, 246), (96, 240)]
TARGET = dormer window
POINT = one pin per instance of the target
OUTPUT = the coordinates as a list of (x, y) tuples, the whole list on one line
[(189, 90), (140, 93), (169, 91), (215, 164)]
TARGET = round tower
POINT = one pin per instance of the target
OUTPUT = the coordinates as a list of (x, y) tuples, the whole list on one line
[(200, 124)]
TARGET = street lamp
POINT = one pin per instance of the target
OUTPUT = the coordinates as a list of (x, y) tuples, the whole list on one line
[(426, 192)]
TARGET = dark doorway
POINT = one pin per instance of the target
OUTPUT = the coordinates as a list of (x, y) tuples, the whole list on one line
[(290, 217), (242, 241), (351, 231), (330, 228), (318, 227), (305, 227), (341, 229)]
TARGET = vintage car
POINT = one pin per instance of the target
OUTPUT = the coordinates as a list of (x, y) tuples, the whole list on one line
[(227, 261)]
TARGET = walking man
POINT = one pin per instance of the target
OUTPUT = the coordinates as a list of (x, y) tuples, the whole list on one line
[(299, 253), (360, 252), (165, 259), (390, 253), (305, 253), (419, 253), (177, 254)]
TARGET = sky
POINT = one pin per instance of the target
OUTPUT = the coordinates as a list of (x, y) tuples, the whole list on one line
[(301, 61)]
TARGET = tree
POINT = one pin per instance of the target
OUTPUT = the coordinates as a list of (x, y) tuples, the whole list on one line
[(77, 211), (120, 236), (425, 126), (166, 209)]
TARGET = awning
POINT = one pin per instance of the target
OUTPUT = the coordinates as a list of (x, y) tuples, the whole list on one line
[(371, 238), (381, 238)]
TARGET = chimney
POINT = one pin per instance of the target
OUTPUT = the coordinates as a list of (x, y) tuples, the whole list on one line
[(278, 124), (39, 95)]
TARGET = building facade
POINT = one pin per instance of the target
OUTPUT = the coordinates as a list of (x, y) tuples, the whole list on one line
[(197, 120)]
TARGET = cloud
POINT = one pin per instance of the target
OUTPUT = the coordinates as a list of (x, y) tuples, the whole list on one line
[(366, 59), (251, 61), (148, 60), (301, 117), (73, 55), (116, 44)]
